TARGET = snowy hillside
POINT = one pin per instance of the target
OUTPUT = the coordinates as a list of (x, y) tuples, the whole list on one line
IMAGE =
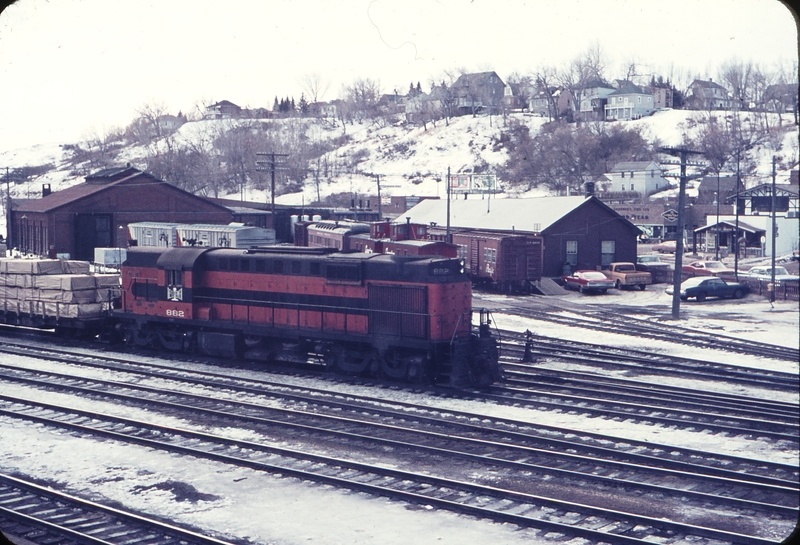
[(409, 159)]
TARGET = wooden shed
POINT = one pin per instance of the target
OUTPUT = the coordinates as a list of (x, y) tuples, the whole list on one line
[(95, 214), (577, 232)]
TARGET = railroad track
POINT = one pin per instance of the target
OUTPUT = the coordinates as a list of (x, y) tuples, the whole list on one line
[(771, 490), (607, 321), (43, 515), (644, 363)]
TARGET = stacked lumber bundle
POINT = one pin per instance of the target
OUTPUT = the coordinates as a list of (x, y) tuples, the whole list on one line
[(55, 288)]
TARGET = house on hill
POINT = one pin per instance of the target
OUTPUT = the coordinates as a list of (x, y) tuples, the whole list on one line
[(95, 214), (479, 92), (641, 177), (170, 123), (578, 232), (707, 95), (781, 98), (223, 110), (593, 99), (628, 102)]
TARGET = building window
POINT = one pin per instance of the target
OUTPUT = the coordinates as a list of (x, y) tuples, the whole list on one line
[(572, 252), (607, 250), (623, 174)]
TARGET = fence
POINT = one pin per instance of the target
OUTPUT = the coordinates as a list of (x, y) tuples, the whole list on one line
[(786, 290)]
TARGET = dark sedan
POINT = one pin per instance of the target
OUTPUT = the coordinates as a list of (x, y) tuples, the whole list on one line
[(701, 287)]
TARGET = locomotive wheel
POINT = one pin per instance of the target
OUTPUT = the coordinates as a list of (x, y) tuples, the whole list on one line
[(139, 337), (348, 361), (394, 367), (173, 341)]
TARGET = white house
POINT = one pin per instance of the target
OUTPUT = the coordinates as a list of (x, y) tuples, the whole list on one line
[(628, 102), (593, 99), (643, 177)]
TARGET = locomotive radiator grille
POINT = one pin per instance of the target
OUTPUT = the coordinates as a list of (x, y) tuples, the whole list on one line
[(399, 311)]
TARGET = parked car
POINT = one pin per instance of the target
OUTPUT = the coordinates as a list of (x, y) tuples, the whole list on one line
[(765, 273), (659, 270), (587, 281), (667, 247), (701, 287), (706, 268), (625, 275)]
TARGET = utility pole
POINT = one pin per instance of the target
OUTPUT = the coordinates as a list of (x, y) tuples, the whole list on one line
[(378, 179), (447, 237), (8, 210), (9, 237), (736, 233), (774, 233), (683, 153), (276, 162), (716, 227)]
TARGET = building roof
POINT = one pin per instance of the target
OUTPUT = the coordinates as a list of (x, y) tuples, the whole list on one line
[(224, 103), (100, 181), (633, 166), (732, 225), (628, 88), (527, 215), (726, 183), (707, 84), (781, 190), (597, 83)]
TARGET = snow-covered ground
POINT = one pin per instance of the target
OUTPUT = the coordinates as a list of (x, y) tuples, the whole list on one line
[(268, 509)]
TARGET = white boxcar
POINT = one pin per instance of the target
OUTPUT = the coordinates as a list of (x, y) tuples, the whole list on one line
[(153, 233), (234, 235)]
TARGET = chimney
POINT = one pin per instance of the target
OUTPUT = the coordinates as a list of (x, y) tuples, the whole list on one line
[(589, 189), (46, 190)]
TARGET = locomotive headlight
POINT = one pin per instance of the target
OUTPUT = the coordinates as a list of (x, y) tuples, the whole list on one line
[(461, 266)]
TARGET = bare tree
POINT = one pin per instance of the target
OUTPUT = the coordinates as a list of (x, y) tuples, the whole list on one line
[(149, 115), (545, 80), (364, 94), (315, 86), (739, 79)]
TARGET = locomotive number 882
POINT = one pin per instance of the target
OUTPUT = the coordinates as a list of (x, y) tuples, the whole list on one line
[(406, 318)]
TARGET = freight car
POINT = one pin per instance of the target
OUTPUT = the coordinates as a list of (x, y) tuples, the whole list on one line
[(406, 318), (507, 263)]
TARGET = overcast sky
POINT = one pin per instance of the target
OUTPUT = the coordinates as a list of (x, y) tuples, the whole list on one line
[(70, 67)]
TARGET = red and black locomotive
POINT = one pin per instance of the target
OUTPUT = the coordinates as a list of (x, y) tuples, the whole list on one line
[(406, 318)]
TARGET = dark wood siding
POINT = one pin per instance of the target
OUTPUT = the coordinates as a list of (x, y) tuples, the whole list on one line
[(589, 225)]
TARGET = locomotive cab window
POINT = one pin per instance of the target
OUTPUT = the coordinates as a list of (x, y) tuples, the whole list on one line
[(174, 278)]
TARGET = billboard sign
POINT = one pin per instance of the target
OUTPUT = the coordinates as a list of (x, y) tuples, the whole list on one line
[(473, 183)]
